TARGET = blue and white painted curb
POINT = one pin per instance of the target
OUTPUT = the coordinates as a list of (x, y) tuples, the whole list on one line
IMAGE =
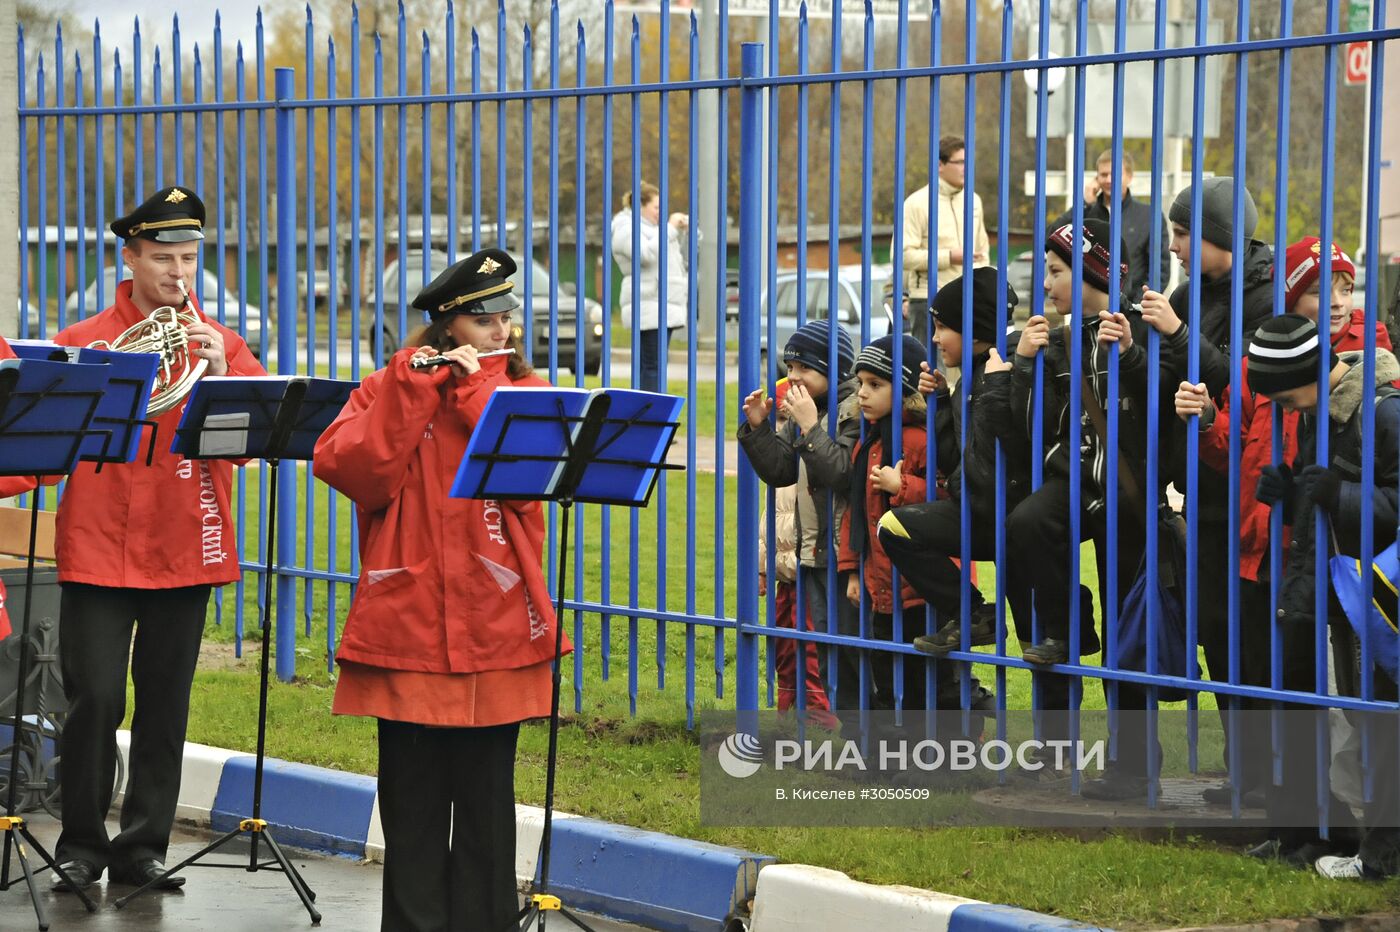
[(648, 878)]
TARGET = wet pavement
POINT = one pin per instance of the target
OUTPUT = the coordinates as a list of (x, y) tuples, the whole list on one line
[(228, 900)]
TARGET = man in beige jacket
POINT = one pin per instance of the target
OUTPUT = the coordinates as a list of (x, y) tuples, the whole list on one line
[(952, 152)]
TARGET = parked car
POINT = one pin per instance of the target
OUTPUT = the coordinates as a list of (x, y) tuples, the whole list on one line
[(818, 297), (564, 332), (210, 304)]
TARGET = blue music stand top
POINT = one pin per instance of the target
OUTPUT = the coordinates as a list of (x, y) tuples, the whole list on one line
[(605, 446), (46, 414), (267, 417), (122, 410)]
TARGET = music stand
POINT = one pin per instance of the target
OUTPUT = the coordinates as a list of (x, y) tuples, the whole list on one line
[(554, 441), (46, 414), (270, 418)]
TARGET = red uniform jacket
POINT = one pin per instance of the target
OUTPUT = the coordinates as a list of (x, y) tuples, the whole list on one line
[(447, 585), (879, 575), (162, 526), (1256, 416)]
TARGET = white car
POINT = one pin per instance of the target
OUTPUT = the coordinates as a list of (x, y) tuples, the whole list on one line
[(818, 299)]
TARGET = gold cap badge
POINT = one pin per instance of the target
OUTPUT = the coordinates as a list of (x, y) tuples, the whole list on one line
[(488, 265), (176, 196)]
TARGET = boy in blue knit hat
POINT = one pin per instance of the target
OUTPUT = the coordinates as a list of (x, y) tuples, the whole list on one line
[(806, 453)]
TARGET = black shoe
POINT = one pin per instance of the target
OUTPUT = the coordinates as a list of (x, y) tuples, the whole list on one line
[(1115, 787), (80, 874), (949, 637), (1048, 651), (1221, 795), (143, 872)]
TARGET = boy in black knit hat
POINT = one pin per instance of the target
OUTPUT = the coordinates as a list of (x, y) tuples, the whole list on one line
[(924, 539), (1284, 364), (1038, 529), (806, 454)]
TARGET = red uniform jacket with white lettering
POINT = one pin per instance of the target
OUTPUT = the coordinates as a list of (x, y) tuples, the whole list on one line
[(447, 585), (161, 526)]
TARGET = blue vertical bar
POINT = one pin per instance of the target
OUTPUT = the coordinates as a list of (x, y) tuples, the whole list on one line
[(177, 94), (803, 105), (356, 255), (605, 297), (868, 303), (553, 252), (1321, 525), (100, 183), (580, 323), (400, 164), (1076, 371), (768, 376), (220, 208), (333, 335), (965, 364), (1237, 248), (501, 85), (476, 142), (833, 237), (286, 357), (157, 119), (380, 354), (81, 185), (1193, 373), (61, 170), (453, 182), (527, 191), (198, 182), (692, 306), (22, 79), (633, 517), (663, 184), (426, 171), (42, 144), (242, 150), (138, 180), (750, 295), (309, 279), (265, 293), (1003, 223)]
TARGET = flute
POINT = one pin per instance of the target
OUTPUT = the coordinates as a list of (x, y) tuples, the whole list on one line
[(425, 362)]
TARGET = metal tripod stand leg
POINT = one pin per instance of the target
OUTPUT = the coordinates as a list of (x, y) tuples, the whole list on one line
[(14, 825)]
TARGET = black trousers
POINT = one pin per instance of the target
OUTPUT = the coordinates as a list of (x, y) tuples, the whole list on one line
[(95, 639), (1038, 551), (447, 806), (919, 321), (925, 559)]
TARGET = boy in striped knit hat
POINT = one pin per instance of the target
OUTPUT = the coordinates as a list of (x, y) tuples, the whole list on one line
[(1285, 365)]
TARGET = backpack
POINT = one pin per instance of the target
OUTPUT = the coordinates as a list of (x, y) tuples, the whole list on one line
[(1170, 636)]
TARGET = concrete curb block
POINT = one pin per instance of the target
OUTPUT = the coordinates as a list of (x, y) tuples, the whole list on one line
[(648, 878)]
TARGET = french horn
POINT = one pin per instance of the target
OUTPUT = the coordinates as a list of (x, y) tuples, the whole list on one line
[(163, 333)]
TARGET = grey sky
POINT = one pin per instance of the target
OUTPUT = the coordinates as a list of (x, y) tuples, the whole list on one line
[(196, 23)]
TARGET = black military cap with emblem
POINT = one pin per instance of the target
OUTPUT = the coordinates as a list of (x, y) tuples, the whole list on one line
[(171, 215), (478, 284)]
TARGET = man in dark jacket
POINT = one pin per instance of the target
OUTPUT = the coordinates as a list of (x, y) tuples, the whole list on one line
[(925, 539), (1135, 224), (1284, 364), (1218, 268)]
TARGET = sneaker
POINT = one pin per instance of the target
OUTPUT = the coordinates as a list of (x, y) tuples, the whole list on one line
[(1335, 868), (1115, 787), (949, 637)]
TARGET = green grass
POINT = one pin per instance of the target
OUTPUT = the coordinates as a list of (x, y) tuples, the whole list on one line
[(644, 770)]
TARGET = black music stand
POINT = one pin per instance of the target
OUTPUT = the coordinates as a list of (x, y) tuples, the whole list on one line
[(606, 446), (46, 415), (270, 418)]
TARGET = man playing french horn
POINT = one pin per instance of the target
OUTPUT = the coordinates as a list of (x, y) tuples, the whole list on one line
[(141, 547)]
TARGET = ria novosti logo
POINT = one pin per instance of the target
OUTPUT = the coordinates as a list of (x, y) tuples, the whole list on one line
[(740, 755)]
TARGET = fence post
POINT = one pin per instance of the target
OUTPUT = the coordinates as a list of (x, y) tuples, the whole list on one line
[(287, 246), (750, 299)]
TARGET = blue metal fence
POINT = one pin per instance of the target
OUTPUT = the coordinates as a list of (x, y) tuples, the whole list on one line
[(114, 160)]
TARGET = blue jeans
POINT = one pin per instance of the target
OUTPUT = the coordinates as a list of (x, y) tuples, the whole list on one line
[(649, 364)]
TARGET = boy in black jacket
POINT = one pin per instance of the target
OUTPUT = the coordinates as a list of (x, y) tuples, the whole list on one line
[(1284, 365), (925, 539), (1038, 530)]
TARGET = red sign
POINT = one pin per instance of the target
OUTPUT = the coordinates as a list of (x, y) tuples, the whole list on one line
[(1358, 65)]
